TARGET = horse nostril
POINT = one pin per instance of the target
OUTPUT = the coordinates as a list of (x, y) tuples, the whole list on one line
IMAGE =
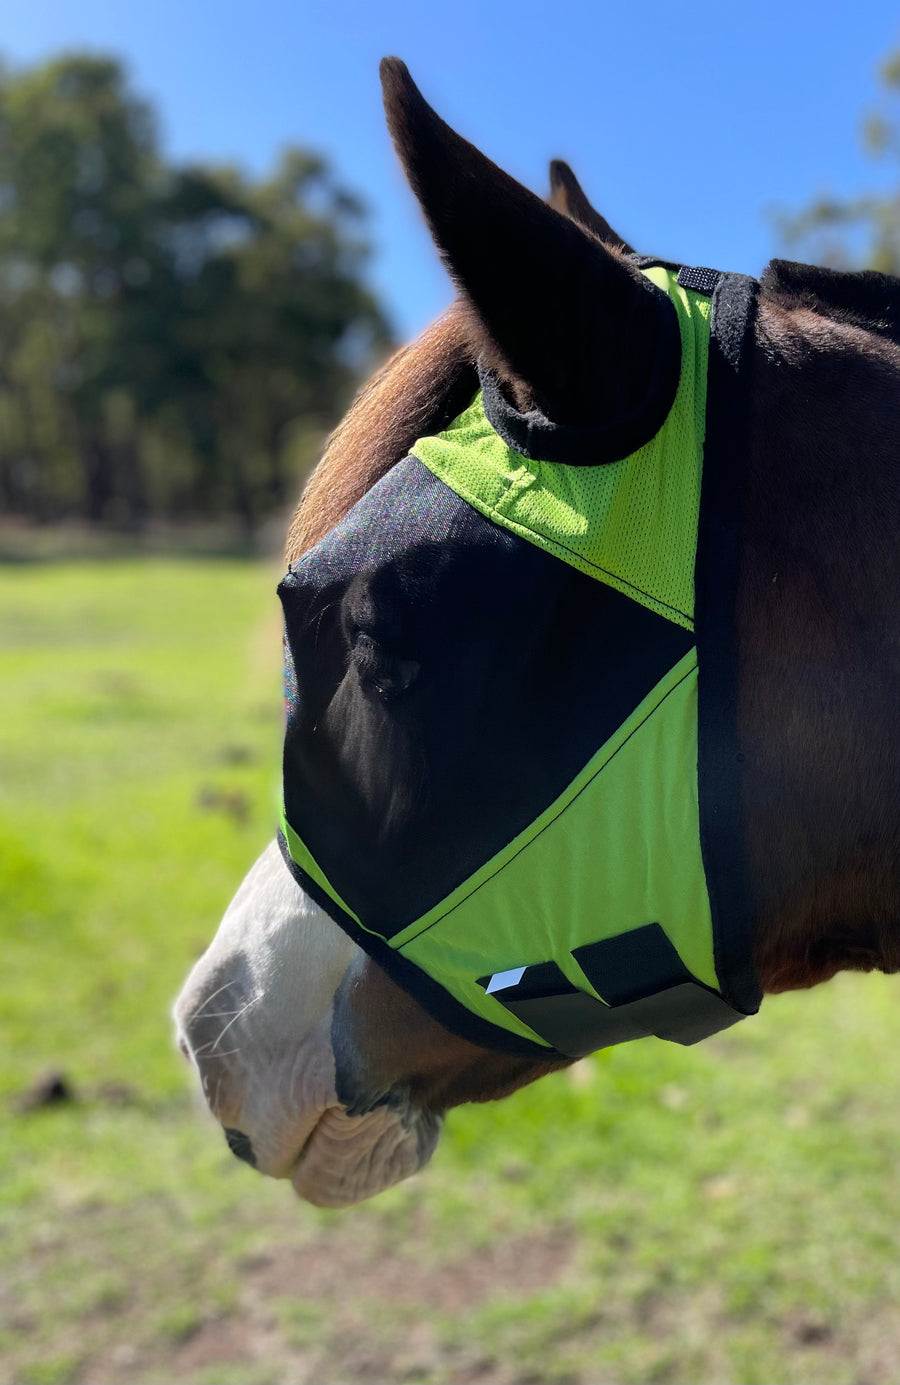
[(240, 1145)]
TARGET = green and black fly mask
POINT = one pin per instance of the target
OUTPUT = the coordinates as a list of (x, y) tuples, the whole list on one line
[(509, 756)]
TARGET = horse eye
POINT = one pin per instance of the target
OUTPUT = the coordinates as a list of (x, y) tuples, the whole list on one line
[(381, 673)]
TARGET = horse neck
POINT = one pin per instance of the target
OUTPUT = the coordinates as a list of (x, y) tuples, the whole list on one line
[(819, 657)]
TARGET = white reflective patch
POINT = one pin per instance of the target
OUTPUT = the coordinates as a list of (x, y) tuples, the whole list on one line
[(501, 979)]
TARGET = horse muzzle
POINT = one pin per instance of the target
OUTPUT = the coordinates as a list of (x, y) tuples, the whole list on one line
[(255, 1021)]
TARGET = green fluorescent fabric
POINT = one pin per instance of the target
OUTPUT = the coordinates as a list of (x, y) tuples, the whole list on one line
[(632, 524)]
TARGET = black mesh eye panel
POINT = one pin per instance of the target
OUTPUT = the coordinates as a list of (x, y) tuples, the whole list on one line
[(504, 671)]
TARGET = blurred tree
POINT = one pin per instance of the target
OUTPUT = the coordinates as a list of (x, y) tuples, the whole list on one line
[(172, 341), (863, 232)]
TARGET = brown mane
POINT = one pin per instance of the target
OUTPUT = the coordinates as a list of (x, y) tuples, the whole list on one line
[(420, 389)]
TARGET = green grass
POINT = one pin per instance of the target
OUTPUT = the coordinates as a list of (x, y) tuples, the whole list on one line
[(723, 1214)]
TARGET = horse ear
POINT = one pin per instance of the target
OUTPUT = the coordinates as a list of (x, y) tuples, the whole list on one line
[(570, 325), (567, 196)]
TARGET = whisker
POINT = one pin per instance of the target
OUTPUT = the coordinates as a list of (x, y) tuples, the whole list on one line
[(254, 1000), (209, 999), (316, 617)]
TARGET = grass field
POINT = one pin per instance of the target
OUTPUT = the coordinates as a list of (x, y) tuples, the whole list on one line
[(723, 1214)]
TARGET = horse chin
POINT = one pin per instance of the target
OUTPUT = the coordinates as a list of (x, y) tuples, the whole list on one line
[(350, 1158)]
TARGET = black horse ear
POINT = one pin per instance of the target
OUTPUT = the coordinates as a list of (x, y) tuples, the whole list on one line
[(570, 325), (568, 197)]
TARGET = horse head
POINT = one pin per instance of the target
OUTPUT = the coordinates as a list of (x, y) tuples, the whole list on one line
[(455, 689)]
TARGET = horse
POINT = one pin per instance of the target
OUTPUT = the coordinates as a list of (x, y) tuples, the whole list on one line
[(315, 1056)]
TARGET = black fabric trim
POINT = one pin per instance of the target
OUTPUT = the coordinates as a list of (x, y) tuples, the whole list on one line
[(432, 996), (536, 437), (716, 574)]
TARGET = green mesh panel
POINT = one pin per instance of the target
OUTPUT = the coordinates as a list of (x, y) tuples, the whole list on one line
[(633, 523)]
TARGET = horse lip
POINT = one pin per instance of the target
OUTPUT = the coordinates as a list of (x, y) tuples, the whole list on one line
[(288, 1169), (304, 1148)]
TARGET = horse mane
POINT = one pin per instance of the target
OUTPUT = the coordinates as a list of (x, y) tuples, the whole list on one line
[(419, 391), (867, 300)]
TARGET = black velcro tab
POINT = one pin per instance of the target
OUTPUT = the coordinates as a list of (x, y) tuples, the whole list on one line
[(697, 278), (632, 965), (576, 1023), (646, 989)]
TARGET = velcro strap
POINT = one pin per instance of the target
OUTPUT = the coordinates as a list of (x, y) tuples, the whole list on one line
[(699, 279), (646, 990)]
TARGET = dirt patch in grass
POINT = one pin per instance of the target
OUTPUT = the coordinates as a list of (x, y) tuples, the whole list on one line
[(350, 1307), (341, 1308), (326, 1270)]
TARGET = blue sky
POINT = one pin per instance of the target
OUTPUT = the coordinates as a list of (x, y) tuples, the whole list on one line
[(683, 122)]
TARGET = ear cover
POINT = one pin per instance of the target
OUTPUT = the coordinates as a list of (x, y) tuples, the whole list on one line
[(562, 314)]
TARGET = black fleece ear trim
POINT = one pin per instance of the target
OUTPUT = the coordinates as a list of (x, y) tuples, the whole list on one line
[(536, 437)]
